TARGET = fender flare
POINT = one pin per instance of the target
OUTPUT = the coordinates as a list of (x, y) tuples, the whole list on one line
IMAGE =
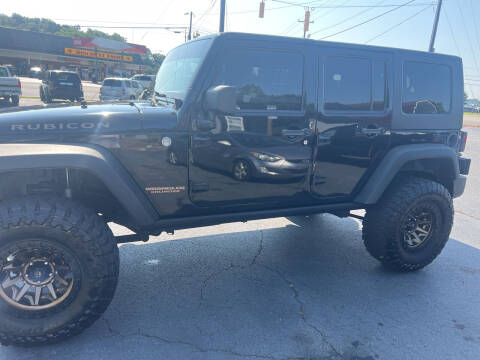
[(91, 158), (394, 160)]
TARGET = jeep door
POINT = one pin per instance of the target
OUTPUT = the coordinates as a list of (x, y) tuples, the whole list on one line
[(263, 152), (354, 119)]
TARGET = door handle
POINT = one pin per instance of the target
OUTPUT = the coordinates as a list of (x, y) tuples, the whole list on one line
[(302, 132), (372, 131)]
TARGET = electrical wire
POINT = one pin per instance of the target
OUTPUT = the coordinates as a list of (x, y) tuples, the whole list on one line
[(400, 23), (344, 20), (347, 6), (367, 21)]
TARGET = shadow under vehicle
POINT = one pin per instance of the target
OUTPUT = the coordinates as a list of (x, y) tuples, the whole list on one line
[(363, 127)]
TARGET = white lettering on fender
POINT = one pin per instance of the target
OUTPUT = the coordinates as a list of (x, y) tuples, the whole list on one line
[(72, 126), (87, 125), (33, 126), (16, 127), (50, 126)]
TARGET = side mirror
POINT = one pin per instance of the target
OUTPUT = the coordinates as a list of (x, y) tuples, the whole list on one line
[(205, 124), (221, 98)]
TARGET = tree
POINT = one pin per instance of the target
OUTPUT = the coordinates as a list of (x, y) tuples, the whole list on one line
[(48, 26), (465, 96), (152, 62)]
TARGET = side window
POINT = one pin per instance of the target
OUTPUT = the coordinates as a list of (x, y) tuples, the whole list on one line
[(134, 84), (427, 88), (127, 84), (355, 84), (348, 84), (264, 80)]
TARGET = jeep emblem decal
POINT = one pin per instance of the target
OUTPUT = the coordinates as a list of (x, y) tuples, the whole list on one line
[(59, 126)]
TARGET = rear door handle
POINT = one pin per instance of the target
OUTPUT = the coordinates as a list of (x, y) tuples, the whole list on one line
[(303, 132), (372, 131)]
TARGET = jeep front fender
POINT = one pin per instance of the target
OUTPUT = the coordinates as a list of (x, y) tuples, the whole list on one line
[(93, 159)]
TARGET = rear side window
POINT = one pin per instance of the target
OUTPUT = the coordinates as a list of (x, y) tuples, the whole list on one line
[(112, 83), (427, 88), (264, 80), (354, 84), (127, 84), (134, 83), (3, 72)]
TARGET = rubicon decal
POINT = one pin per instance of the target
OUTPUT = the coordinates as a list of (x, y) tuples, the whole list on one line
[(59, 126)]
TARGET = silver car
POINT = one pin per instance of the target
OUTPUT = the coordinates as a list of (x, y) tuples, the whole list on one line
[(120, 89)]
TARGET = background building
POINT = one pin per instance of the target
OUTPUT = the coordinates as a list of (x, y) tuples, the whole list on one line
[(92, 58)]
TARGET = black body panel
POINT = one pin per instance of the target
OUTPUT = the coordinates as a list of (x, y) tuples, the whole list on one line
[(319, 126)]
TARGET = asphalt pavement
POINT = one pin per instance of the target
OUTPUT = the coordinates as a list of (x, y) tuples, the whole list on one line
[(300, 288)]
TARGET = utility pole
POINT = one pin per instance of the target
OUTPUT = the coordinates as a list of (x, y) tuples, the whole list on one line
[(190, 27), (222, 16), (435, 26), (306, 22)]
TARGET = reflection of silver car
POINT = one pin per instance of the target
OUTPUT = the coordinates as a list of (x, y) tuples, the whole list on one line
[(120, 89), (247, 155), (145, 80)]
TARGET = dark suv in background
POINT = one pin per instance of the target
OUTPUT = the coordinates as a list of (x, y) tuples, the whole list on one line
[(57, 84)]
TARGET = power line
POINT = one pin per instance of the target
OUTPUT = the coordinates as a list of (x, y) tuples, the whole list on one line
[(399, 24), (475, 24), (345, 20), (346, 6), (468, 38), (367, 21)]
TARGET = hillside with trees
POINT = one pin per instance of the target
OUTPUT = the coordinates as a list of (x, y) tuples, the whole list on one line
[(48, 26)]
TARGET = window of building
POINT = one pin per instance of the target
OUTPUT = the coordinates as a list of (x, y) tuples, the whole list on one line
[(264, 80), (427, 88)]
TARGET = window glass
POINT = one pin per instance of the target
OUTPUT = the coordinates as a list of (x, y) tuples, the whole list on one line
[(179, 68), (127, 84), (264, 80), (379, 85), (427, 88), (65, 76), (134, 83), (348, 83), (3, 72), (112, 82)]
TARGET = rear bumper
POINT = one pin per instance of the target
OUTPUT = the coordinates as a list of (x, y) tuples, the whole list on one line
[(459, 185), (461, 180), (10, 92)]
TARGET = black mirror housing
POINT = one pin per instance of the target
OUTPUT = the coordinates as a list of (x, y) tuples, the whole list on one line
[(221, 98)]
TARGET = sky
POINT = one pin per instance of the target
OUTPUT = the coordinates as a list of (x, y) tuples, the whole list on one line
[(407, 27)]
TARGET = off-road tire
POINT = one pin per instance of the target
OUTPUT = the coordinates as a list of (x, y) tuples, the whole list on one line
[(382, 226), (69, 225)]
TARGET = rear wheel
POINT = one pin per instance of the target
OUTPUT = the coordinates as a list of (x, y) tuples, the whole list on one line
[(58, 270), (15, 100), (410, 225)]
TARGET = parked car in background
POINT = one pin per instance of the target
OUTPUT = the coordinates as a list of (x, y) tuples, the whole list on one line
[(35, 72), (145, 80), (58, 84), (10, 87), (120, 89)]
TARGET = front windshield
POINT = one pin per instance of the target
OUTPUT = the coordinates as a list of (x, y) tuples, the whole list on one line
[(176, 74)]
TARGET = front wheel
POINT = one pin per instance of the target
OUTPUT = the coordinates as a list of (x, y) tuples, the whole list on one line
[(241, 170), (58, 270), (410, 225)]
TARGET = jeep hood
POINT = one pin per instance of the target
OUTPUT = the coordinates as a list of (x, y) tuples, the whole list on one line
[(74, 120)]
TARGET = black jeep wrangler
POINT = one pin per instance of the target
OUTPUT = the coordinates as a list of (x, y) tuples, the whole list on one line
[(240, 127)]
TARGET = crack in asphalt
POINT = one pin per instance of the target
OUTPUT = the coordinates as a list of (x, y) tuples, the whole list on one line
[(210, 277), (259, 251), (301, 313), (468, 215)]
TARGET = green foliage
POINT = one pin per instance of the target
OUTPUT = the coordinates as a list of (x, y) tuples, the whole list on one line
[(152, 62), (48, 26)]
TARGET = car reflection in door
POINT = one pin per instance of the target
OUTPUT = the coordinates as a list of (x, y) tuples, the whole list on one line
[(251, 156)]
